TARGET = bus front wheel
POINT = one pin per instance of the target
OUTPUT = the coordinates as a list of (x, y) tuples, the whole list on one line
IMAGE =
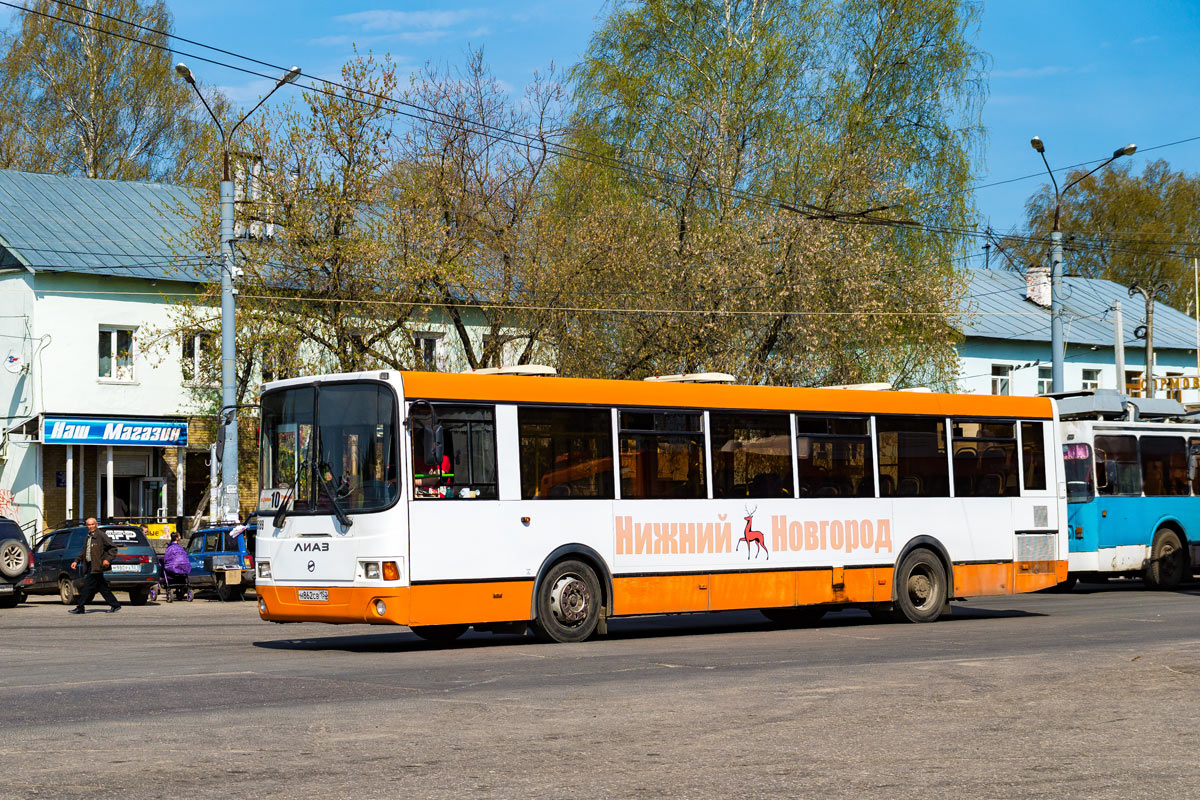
[(1168, 561), (568, 603), (920, 587)]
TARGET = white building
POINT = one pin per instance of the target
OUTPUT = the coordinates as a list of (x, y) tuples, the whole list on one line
[(1007, 330)]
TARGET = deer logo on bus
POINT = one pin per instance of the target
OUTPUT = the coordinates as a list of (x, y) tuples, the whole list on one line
[(752, 536)]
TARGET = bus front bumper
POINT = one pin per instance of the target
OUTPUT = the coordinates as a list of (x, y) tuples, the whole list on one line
[(380, 605)]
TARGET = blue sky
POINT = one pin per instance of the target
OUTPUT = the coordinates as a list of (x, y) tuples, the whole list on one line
[(1085, 76)]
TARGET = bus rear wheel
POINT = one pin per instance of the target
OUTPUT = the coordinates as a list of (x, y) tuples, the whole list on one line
[(920, 587), (568, 603), (1168, 561), (439, 633)]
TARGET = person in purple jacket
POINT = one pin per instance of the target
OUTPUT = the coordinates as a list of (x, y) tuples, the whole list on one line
[(176, 565)]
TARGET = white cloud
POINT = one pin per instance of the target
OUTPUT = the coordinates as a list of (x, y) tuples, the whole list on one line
[(1145, 40), (406, 21)]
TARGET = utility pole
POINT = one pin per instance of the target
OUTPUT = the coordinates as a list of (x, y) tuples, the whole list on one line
[(1147, 331), (1056, 257), (227, 419), (1119, 345)]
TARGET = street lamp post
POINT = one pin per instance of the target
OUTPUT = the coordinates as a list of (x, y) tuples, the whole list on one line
[(228, 505), (1056, 257)]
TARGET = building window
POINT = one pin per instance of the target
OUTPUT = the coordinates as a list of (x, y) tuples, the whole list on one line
[(427, 346), (116, 354), (1001, 379), (1133, 383), (1091, 380), (197, 349), (1045, 380)]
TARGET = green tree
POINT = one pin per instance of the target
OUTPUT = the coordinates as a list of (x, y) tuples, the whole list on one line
[(724, 118), (1122, 226), (78, 98)]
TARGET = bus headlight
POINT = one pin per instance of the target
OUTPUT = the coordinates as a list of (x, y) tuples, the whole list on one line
[(380, 607), (370, 570), (264, 570)]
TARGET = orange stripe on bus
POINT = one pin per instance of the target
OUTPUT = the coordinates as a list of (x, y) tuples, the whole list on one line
[(579, 391), (447, 603)]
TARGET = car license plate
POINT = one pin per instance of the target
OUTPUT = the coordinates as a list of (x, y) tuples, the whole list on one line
[(126, 568), (314, 595)]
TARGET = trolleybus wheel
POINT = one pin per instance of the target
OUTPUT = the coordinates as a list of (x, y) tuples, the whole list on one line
[(794, 617), (920, 587), (439, 633), (568, 603), (1168, 561)]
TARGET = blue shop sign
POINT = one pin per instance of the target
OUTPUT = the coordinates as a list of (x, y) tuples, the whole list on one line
[(147, 432)]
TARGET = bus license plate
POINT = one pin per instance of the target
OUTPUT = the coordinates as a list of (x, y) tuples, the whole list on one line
[(314, 595)]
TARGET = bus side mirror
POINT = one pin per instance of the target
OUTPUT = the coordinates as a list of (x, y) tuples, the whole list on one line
[(435, 445)]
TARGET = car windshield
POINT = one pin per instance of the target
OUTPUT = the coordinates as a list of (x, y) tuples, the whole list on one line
[(126, 537), (328, 445)]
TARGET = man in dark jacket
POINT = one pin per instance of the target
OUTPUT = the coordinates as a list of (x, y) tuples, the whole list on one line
[(96, 556)]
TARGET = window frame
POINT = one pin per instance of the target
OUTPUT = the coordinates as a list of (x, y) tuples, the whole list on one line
[(701, 433), (113, 332), (601, 411), (1002, 372), (871, 466)]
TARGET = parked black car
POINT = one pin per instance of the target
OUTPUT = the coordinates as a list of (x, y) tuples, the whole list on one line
[(16, 563), (134, 569)]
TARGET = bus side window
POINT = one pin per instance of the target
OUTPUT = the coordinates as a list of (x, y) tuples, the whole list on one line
[(662, 455), (1118, 471), (1033, 454), (912, 456), (565, 452), (468, 468), (1194, 465), (1164, 466), (752, 454)]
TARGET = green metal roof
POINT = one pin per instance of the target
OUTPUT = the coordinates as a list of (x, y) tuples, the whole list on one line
[(62, 223)]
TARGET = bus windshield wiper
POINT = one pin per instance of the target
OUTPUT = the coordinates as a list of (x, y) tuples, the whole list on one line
[(284, 506), (337, 507)]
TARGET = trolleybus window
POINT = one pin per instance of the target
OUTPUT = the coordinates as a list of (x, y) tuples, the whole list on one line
[(752, 455), (565, 453), (1164, 466), (832, 457), (1117, 471), (912, 457), (1077, 458), (985, 459), (1194, 464), (662, 455), (1033, 454), (468, 470)]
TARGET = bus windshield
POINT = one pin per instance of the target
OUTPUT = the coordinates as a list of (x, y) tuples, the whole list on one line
[(1078, 462), (339, 435)]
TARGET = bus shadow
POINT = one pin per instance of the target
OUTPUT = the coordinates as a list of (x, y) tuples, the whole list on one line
[(630, 628), (1132, 585)]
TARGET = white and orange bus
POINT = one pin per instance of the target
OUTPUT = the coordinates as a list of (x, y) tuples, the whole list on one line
[(443, 501)]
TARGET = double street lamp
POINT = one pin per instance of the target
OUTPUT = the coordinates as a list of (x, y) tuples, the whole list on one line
[(228, 506), (1056, 306)]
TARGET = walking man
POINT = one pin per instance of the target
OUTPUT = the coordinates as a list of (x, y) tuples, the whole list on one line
[(96, 556)]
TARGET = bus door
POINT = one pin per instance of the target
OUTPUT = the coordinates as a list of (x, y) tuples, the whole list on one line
[(1119, 502), (1082, 510)]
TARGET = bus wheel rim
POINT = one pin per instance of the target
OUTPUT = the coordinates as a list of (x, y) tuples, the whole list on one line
[(570, 600), (920, 588)]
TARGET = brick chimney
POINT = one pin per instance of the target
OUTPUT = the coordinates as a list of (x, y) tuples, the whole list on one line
[(1037, 285)]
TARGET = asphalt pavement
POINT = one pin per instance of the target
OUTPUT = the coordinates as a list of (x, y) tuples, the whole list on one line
[(1090, 694)]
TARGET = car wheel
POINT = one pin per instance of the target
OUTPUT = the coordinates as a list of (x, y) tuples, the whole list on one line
[(138, 597), (11, 600), (66, 591), (14, 558)]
